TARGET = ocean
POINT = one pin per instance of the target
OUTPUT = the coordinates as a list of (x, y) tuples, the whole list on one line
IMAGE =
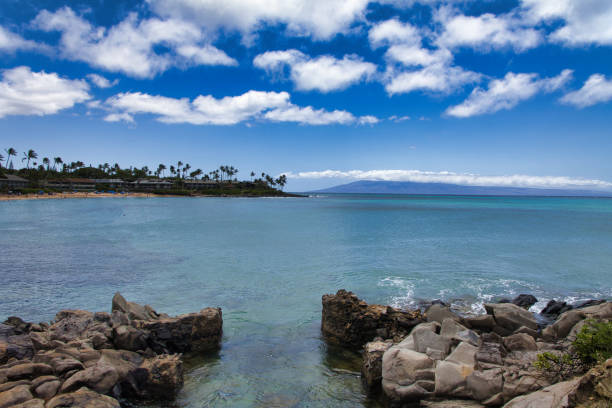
[(267, 261)]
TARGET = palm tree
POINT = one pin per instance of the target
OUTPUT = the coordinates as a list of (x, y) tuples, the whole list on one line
[(31, 154), (252, 175), (195, 173), (46, 162), (179, 164), (160, 169), (186, 169), (9, 152), (172, 170), (1, 158), (57, 161)]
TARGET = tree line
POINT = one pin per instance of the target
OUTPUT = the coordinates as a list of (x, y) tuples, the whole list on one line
[(55, 167)]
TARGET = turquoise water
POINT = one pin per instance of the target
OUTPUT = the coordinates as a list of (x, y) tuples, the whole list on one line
[(267, 262)]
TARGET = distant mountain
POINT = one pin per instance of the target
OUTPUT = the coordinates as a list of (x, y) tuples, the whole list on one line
[(407, 187)]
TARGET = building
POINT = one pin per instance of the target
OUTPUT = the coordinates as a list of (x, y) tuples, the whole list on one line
[(11, 181), (149, 185), (200, 184), (75, 184)]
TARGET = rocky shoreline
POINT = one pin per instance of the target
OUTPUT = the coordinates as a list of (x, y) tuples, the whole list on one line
[(438, 358), (85, 359)]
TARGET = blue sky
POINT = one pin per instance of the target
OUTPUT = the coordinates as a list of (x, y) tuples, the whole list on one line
[(474, 92)]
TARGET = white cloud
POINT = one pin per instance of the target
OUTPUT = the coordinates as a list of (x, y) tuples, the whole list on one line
[(23, 92), (129, 46), (230, 110), (11, 42), (419, 176), (410, 55), (596, 89), (320, 18), (392, 32), (506, 93), (324, 73), (485, 32), (398, 119), (585, 21), (101, 82), (440, 78)]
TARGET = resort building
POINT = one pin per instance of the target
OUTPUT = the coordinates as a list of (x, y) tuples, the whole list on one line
[(11, 181)]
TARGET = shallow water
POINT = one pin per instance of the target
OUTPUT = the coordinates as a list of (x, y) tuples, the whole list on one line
[(267, 262)]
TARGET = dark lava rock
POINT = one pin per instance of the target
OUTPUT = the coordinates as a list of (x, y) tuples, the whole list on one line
[(554, 308), (525, 301)]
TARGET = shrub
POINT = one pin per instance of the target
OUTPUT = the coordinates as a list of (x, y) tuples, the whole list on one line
[(593, 343)]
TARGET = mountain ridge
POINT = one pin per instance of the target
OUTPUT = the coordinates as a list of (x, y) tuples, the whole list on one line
[(409, 187)]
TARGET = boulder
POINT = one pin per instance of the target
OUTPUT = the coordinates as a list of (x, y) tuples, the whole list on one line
[(401, 370), (484, 323), (464, 353), (129, 338), (451, 379), (564, 324), (14, 345), (438, 312), (33, 403), (554, 396), (101, 378), (371, 369), (520, 341), (525, 301), (451, 404), (511, 317), (426, 339), (46, 389), (554, 308), (15, 395), (490, 353), (83, 398), (351, 322), (483, 385), (28, 370), (189, 332), (164, 377), (133, 310)]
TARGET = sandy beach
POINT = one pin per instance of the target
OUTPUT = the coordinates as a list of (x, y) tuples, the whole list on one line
[(7, 197)]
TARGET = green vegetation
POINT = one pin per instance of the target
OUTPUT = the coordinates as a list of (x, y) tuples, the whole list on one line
[(182, 180), (593, 345)]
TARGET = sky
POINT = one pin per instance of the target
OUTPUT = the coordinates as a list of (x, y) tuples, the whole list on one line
[(509, 93)]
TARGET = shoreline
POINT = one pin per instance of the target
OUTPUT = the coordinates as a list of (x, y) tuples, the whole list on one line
[(82, 194)]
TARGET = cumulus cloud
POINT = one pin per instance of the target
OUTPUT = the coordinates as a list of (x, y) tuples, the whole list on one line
[(319, 18), (413, 67), (101, 82), (130, 46), (419, 176), (506, 93), (485, 32), (440, 78), (11, 42), (23, 92), (583, 21), (323, 73), (230, 110), (596, 89)]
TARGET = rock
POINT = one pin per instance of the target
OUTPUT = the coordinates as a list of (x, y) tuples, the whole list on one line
[(189, 332), (483, 385), (83, 398), (129, 338), (588, 303), (164, 377), (521, 382), (467, 336), (526, 330), (525, 301), (371, 369), (451, 379), (14, 345), (424, 338), (12, 384), (490, 353), (511, 317), (450, 327), (351, 322), (28, 370), (15, 395), (554, 396), (555, 308), (564, 324), (464, 353), (484, 323), (520, 341), (101, 378), (19, 326), (401, 369), (60, 362), (47, 389), (601, 311), (33, 403), (133, 310), (451, 404), (438, 312)]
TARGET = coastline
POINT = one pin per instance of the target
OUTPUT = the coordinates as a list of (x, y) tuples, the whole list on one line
[(81, 194)]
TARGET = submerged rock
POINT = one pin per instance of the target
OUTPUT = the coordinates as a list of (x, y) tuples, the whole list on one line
[(525, 301)]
